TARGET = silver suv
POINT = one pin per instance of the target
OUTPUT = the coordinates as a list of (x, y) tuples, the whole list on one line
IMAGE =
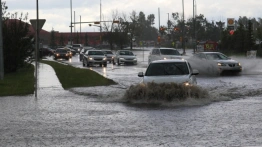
[(163, 54), (77, 47)]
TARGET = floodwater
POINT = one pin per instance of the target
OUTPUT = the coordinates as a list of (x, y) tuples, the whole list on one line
[(97, 116)]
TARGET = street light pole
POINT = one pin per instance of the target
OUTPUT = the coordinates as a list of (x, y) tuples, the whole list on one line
[(183, 29), (194, 26), (100, 24), (1, 47), (71, 24)]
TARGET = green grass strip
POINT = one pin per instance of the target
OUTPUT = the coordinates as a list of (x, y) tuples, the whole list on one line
[(20, 82), (71, 77)]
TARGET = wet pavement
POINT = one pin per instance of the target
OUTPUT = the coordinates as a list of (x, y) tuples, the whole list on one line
[(97, 116)]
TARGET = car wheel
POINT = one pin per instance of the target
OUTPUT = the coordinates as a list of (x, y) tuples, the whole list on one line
[(100, 65), (84, 63), (105, 65), (114, 62), (118, 62)]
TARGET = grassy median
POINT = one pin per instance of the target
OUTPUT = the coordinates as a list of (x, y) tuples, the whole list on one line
[(22, 81), (70, 76)]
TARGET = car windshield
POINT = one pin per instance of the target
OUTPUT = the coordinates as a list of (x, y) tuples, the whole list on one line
[(108, 52), (95, 53), (215, 56), (61, 51), (169, 68), (169, 52), (128, 53), (76, 45)]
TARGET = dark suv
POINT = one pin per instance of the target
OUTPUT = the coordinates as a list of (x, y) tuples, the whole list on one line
[(61, 53)]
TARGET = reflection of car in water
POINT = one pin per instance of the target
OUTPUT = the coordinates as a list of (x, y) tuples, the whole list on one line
[(170, 71), (214, 63)]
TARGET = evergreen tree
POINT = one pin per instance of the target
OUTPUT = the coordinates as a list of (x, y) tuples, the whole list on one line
[(17, 45)]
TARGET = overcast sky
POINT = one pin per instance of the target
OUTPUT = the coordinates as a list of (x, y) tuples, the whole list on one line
[(58, 15)]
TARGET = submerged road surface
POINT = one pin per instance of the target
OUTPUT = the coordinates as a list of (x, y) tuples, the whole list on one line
[(231, 117)]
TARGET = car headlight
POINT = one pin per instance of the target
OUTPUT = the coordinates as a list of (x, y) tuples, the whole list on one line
[(221, 64), (90, 58), (104, 58), (135, 59), (57, 54), (238, 64), (165, 58), (186, 84)]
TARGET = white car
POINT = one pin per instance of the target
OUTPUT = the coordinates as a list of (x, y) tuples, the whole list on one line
[(163, 54), (170, 71), (214, 63)]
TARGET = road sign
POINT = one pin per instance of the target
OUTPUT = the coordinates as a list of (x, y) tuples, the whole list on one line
[(41, 23)]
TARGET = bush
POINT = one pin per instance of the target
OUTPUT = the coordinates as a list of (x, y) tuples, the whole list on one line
[(164, 92)]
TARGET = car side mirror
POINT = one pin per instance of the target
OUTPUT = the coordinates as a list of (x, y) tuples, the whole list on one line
[(140, 74), (195, 72)]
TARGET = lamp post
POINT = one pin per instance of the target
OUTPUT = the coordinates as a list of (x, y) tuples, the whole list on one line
[(71, 24), (183, 29), (194, 26), (1, 47)]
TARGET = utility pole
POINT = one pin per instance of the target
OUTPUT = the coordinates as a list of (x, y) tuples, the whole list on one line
[(71, 24), (183, 29), (100, 25), (1, 47), (194, 26)]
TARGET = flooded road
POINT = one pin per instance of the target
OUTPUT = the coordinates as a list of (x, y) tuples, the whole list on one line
[(231, 117)]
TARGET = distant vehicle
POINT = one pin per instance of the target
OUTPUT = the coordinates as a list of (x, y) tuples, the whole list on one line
[(109, 55), (46, 52), (170, 71), (214, 63), (124, 57), (61, 53), (69, 52), (92, 57), (83, 50), (163, 53), (77, 47)]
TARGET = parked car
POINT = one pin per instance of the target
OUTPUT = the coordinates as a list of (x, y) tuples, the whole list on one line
[(215, 63), (61, 53), (92, 57), (46, 52), (170, 71), (124, 57), (77, 47), (163, 53), (83, 50), (109, 55)]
